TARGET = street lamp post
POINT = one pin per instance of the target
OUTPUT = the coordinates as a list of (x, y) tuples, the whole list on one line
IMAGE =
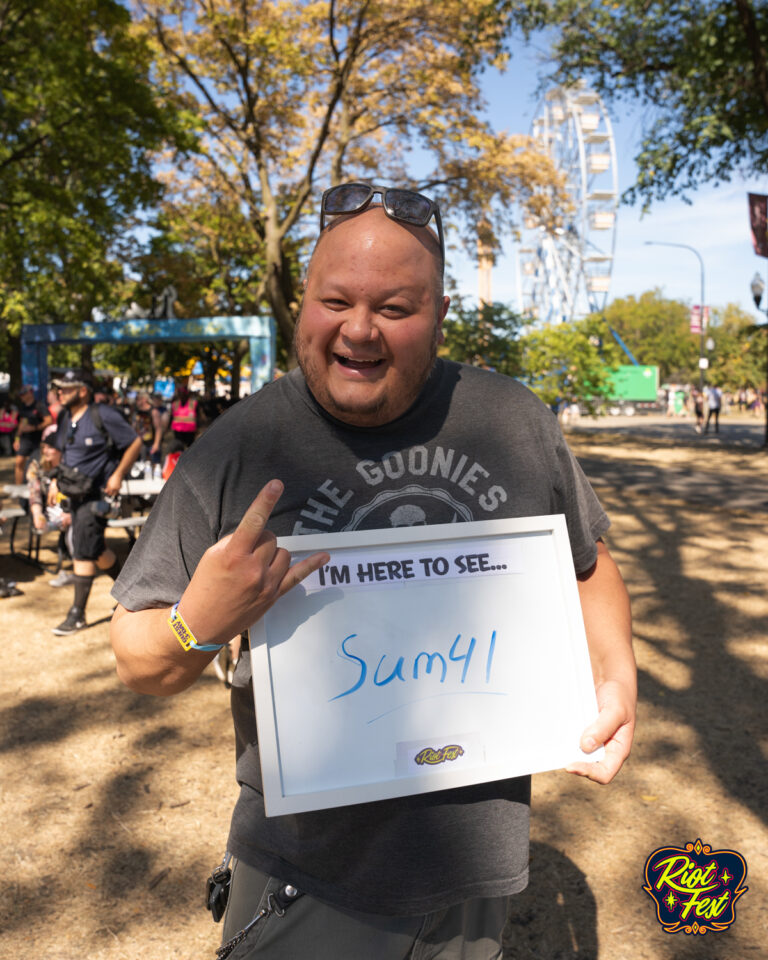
[(758, 287), (663, 243)]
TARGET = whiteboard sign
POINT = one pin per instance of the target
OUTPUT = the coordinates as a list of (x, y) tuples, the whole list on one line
[(421, 658)]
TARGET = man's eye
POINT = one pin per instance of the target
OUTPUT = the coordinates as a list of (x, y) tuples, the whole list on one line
[(335, 304), (394, 310)]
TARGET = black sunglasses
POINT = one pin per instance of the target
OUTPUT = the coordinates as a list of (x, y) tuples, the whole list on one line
[(407, 206)]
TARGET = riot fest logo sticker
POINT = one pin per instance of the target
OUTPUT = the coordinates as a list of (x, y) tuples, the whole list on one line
[(695, 888)]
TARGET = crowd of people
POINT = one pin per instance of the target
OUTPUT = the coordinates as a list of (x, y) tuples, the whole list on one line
[(705, 406), (47, 437)]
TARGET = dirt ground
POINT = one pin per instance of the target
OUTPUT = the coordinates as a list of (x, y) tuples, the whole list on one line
[(114, 806)]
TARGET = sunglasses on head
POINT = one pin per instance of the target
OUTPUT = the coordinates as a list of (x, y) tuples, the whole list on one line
[(405, 206)]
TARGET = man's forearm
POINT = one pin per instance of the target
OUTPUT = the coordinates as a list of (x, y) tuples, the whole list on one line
[(129, 457), (149, 657), (608, 622)]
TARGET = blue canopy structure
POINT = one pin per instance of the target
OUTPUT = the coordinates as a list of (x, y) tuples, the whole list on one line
[(260, 332)]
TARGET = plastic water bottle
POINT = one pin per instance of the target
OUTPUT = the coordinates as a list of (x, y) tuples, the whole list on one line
[(157, 473), (147, 470)]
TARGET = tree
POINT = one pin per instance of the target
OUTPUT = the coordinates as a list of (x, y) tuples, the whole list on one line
[(487, 336), (657, 331), (204, 252), (78, 125), (738, 357), (286, 93), (571, 363), (700, 65)]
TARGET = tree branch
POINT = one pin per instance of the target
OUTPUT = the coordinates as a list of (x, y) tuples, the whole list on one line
[(755, 44)]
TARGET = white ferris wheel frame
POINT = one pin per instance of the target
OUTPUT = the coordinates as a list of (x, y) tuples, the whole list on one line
[(565, 273)]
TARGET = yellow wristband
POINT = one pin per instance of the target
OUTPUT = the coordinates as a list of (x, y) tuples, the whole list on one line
[(185, 636)]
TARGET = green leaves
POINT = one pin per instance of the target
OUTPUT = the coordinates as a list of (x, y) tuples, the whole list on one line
[(698, 65), (78, 125), (487, 336), (571, 363), (292, 96)]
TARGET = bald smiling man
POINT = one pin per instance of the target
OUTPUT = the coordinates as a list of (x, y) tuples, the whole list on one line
[(426, 876)]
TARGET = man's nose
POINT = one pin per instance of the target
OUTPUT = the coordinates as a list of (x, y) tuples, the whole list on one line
[(360, 325)]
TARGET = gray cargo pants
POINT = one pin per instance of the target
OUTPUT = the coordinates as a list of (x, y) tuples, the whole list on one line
[(311, 930)]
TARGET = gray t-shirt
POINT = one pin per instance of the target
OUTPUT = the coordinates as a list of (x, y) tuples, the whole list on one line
[(474, 446)]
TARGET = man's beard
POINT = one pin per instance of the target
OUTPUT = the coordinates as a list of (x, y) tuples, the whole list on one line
[(371, 411), (74, 402)]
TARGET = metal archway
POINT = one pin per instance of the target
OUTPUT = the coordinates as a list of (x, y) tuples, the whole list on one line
[(259, 331)]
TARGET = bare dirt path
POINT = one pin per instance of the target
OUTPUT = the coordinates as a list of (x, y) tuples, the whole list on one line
[(114, 806)]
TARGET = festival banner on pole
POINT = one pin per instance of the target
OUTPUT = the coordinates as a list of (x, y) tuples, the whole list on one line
[(696, 318), (758, 222)]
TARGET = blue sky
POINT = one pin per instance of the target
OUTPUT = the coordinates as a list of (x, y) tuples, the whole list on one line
[(716, 222)]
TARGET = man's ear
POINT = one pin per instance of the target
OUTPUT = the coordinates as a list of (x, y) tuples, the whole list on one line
[(443, 311)]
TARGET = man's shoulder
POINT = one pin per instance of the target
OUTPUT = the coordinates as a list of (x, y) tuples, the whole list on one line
[(106, 419), (270, 404), (491, 382), (107, 413)]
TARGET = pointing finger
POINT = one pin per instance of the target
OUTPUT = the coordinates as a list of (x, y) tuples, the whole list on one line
[(301, 570), (254, 522)]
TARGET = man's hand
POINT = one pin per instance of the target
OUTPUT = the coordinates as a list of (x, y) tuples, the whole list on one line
[(236, 581), (113, 484), (614, 728), (240, 577), (608, 623)]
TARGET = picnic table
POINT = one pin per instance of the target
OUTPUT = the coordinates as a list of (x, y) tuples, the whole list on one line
[(137, 494)]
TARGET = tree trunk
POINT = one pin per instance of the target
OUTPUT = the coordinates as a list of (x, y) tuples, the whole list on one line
[(86, 357), (210, 365), (281, 296), (14, 363)]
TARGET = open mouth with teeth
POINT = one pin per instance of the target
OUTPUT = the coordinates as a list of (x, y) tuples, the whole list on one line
[(351, 364)]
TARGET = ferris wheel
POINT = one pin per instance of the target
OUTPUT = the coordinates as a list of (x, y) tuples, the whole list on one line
[(566, 271)]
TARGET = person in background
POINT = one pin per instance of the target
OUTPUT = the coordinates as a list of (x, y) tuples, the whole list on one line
[(141, 421), (38, 478), (9, 421), (54, 407), (698, 408), (33, 419), (211, 407), (102, 455), (161, 420), (49, 516), (185, 416), (714, 403), (104, 393)]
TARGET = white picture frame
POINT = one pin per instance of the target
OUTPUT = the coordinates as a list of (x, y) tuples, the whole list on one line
[(466, 640)]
